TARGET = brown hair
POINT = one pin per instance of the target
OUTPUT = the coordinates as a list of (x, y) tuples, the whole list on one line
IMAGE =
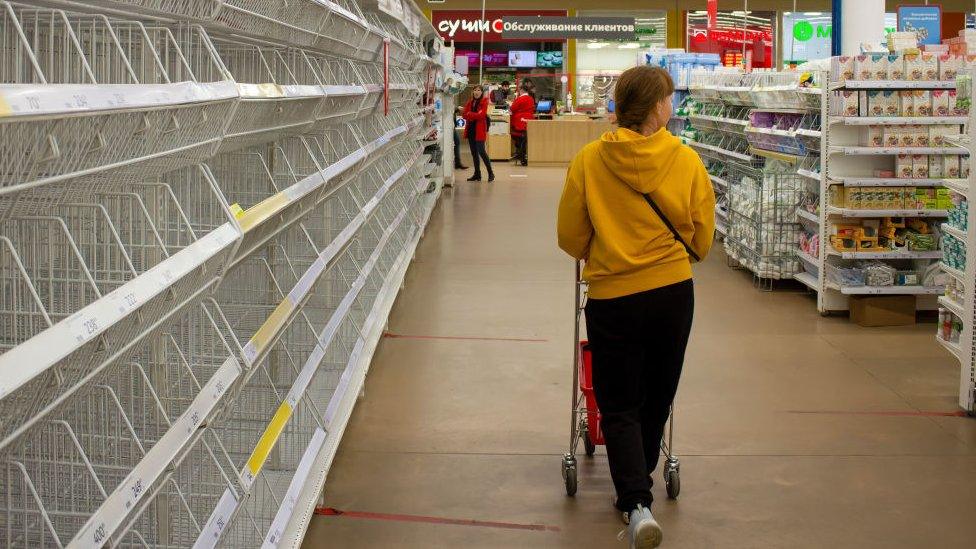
[(638, 91)]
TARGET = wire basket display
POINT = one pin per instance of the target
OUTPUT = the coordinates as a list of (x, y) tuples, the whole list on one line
[(96, 102), (763, 233)]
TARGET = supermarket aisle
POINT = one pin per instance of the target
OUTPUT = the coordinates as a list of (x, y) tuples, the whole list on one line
[(794, 430)]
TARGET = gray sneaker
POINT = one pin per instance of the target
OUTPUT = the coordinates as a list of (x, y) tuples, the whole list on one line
[(644, 531)]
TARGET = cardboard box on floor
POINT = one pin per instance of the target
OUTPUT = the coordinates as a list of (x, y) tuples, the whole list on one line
[(883, 310)]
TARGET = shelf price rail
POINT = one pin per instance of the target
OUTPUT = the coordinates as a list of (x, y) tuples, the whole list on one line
[(377, 145)]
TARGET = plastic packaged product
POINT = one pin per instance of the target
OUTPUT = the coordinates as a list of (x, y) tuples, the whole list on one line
[(940, 103), (964, 167), (876, 103), (920, 166), (903, 166)]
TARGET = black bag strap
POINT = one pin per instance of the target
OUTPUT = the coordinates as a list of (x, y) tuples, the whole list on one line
[(675, 233)]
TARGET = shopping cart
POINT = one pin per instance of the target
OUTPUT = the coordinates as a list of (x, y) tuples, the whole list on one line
[(585, 420)]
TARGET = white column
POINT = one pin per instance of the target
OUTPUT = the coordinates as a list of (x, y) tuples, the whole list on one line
[(862, 21)]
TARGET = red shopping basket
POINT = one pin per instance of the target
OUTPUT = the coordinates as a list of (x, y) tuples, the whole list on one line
[(586, 387)]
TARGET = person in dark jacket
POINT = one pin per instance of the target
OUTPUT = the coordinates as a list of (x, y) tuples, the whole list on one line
[(475, 114), (523, 108)]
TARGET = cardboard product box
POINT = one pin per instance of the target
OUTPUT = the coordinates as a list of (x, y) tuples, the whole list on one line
[(950, 65), (903, 166), (876, 103), (938, 135), (907, 138), (950, 166), (862, 103), (908, 197), (920, 166), (907, 102), (925, 198), (923, 103), (864, 67), (930, 66), (964, 167), (838, 195), (852, 198), (943, 198), (896, 67), (940, 103), (881, 66), (892, 103), (872, 311), (875, 136), (842, 68), (847, 103), (914, 68), (892, 136), (936, 167), (921, 134)]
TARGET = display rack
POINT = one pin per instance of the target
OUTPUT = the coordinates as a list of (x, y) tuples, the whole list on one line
[(957, 306), (752, 131), (206, 211), (865, 182)]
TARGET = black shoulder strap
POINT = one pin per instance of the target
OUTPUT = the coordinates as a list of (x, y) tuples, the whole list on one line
[(677, 235)]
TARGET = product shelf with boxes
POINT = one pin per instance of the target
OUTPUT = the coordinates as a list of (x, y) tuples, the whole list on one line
[(890, 158), (204, 234), (957, 307)]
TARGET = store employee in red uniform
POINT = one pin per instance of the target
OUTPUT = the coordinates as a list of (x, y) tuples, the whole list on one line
[(523, 108)]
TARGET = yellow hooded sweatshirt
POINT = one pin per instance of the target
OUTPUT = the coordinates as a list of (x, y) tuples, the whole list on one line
[(604, 219)]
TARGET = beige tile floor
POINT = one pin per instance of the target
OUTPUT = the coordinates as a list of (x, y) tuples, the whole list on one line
[(473, 429)]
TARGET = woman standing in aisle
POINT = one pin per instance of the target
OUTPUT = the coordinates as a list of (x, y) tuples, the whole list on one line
[(476, 130), (522, 109), (638, 207)]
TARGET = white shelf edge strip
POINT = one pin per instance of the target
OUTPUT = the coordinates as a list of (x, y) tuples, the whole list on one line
[(298, 524), (893, 182), (267, 334), (41, 352), (899, 120), (279, 421), (114, 510), (290, 499)]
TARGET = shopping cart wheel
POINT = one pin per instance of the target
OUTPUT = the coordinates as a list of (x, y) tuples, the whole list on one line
[(569, 474), (672, 482), (588, 445)]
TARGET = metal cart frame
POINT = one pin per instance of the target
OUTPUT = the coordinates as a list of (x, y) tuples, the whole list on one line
[(579, 425)]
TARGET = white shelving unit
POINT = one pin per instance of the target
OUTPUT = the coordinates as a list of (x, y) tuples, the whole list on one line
[(846, 162), (965, 349), (210, 219)]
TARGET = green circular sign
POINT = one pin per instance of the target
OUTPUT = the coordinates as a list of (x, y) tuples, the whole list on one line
[(802, 31)]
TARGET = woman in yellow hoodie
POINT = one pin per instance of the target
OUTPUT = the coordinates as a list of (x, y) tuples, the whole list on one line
[(638, 207)]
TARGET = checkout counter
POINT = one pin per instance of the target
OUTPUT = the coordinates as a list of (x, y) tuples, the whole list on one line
[(555, 141)]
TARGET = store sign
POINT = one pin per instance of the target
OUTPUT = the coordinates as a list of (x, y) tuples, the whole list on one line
[(924, 21), (808, 35), (601, 28), (470, 26)]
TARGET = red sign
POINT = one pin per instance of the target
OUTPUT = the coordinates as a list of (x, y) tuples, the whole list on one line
[(468, 25), (712, 14)]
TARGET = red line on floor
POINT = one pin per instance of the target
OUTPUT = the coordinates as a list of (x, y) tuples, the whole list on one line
[(959, 413), (331, 512), (465, 338)]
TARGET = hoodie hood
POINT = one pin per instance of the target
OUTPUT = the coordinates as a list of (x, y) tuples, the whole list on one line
[(642, 162)]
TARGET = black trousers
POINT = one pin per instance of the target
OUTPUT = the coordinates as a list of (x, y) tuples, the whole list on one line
[(638, 344), (521, 147), (478, 153)]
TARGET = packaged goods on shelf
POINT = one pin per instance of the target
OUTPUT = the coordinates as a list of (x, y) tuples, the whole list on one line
[(953, 252), (959, 212), (950, 326)]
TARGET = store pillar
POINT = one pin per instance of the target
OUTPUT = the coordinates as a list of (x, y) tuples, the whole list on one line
[(856, 22)]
